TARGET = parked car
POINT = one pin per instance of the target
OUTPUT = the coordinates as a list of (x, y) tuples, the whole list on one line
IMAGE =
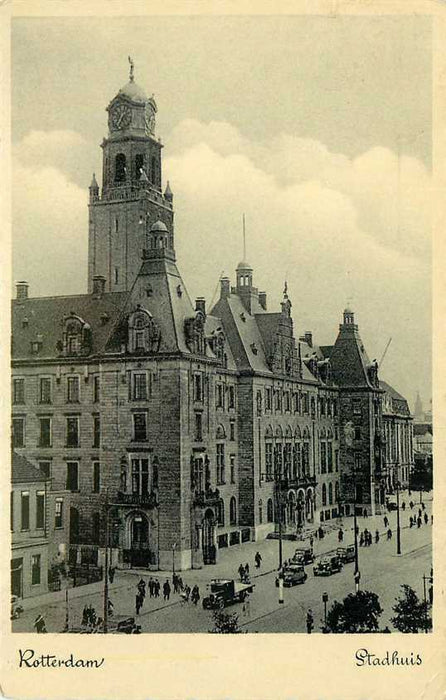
[(327, 565), (224, 592), (303, 555), (292, 574), (346, 554), (16, 607)]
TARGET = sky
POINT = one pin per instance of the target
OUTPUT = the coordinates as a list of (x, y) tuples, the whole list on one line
[(317, 128)]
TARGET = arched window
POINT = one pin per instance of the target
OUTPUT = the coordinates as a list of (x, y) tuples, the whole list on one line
[(233, 511), (221, 512), (330, 494), (260, 511), (270, 510), (95, 527), (139, 164), (120, 169), (337, 492), (324, 495)]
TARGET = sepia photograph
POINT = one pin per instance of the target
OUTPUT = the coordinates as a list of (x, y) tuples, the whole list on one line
[(221, 343)]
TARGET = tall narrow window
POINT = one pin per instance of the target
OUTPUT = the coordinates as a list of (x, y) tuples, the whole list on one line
[(25, 510), (45, 390), (58, 518), (232, 466), (323, 457), (139, 165), (220, 463), (35, 569), (96, 430), (324, 494), (73, 389), (96, 388), (330, 456), (198, 386), (72, 476), (140, 427), (96, 477), (120, 169), (18, 432), (116, 269), (45, 432), (140, 386), (72, 431), (40, 510), (140, 476), (18, 391), (232, 430), (198, 427), (268, 398), (231, 396), (233, 511), (269, 460)]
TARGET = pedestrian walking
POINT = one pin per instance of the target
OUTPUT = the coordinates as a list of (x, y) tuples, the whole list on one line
[(423, 506), (175, 583), (410, 521), (39, 624), (321, 533), (366, 537), (419, 521), (110, 610), (111, 573), (138, 602), (166, 590), (311, 541), (419, 512), (376, 536), (195, 594), (389, 534), (411, 504), (357, 530), (142, 587), (180, 583), (241, 572), (403, 505), (157, 588), (310, 621), (386, 521), (258, 559), (365, 514), (361, 540), (426, 519), (340, 534), (187, 592)]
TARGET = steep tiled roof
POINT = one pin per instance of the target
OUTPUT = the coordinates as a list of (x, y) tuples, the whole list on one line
[(42, 316), (349, 359), (391, 391), (23, 471)]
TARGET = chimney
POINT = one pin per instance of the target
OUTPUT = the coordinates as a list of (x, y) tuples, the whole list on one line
[(225, 288), (309, 338), (22, 290), (98, 285), (200, 305), (262, 300)]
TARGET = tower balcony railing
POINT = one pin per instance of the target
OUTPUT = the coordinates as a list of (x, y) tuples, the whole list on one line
[(296, 481), (133, 190), (142, 500)]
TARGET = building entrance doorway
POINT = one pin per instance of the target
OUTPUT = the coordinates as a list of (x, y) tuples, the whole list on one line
[(209, 549), (17, 577), (139, 541)]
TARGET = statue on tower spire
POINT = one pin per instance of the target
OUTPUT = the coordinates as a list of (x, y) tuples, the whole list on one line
[(132, 68)]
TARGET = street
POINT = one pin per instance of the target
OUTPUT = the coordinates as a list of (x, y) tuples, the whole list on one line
[(382, 571)]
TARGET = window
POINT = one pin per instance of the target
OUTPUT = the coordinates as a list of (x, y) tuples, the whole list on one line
[(330, 456), (357, 433), (140, 342), (260, 511), (139, 165), (45, 468), (140, 386), (96, 388), (140, 427), (220, 463), (337, 492), (45, 390), (72, 476), (35, 569), (233, 511), (330, 494), (140, 476), (305, 402), (357, 410), (324, 494), (270, 510), (221, 512), (72, 389), (18, 432), (120, 169), (40, 510), (337, 460), (286, 397), (232, 467), (269, 460), (232, 430), (45, 432), (268, 399), (278, 400), (231, 396), (358, 463), (287, 459), (198, 427), (96, 477), (18, 391), (313, 407), (24, 510), (198, 386), (72, 431), (335, 407), (11, 509), (96, 430), (58, 519), (296, 402), (220, 396), (306, 458), (116, 269), (322, 406), (323, 457)]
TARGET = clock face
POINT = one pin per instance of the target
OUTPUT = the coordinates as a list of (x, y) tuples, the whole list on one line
[(120, 117)]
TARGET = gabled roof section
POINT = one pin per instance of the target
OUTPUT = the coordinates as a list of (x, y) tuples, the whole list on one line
[(41, 319), (25, 472), (349, 359)]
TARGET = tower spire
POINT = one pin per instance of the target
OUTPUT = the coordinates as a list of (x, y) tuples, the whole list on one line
[(132, 69)]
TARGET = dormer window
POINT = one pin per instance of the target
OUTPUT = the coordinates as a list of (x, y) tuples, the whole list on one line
[(143, 333), (76, 336)]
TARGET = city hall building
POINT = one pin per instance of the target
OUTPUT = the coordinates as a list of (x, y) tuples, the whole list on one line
[(178, 429)]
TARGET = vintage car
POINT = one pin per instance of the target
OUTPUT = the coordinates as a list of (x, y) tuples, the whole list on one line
[(224, 592), (16, 607), (118, 624), (303, 555), (292, 574), (327, 565), (347, 553)]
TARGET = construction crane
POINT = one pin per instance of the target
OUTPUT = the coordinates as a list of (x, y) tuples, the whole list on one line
[(385, 351)]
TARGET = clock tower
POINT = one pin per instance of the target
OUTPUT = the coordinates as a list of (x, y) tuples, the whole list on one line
[(122, 216)]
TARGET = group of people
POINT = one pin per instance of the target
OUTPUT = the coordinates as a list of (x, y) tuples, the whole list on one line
[(154, 587), (418, 520), (243, 572), (366, 538)]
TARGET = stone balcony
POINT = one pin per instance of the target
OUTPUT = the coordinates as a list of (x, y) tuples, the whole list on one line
[(141, 500), (207, 498)]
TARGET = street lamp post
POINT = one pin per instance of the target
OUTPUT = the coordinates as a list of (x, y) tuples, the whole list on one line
[(356, 573), (106, 569), (398, 527)]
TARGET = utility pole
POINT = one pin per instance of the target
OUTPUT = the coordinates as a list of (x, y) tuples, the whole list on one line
[(106, 569)]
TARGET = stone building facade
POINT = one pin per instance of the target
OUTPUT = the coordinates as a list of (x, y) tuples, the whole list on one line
[(180, 430)]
